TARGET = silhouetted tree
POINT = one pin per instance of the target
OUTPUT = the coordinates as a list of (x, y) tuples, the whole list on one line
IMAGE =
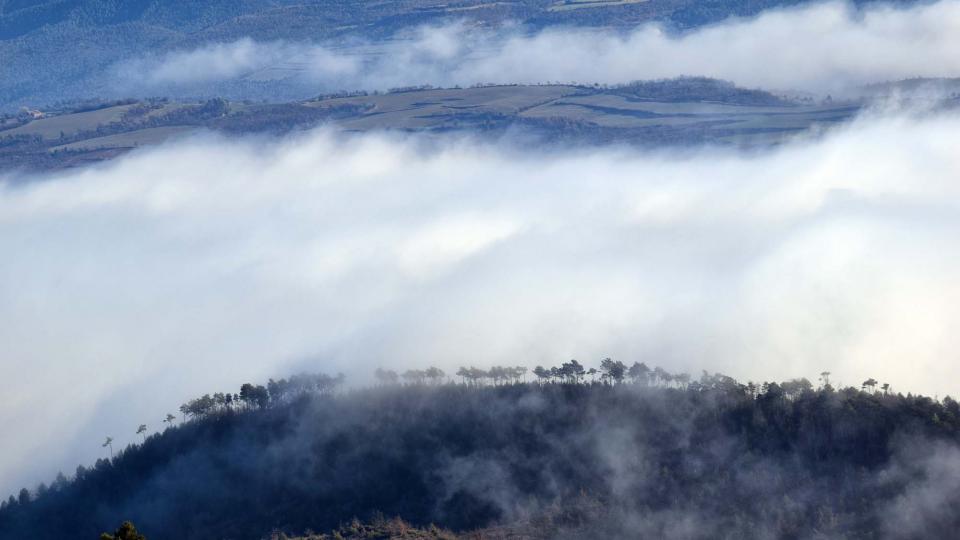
[(434, 374), (613, 371), (386, 376), (414, 376), (498, 374), (476, 375), (661, 376), (254, 395), (793, 389), (639, 373), (572, 371), (126, 532)]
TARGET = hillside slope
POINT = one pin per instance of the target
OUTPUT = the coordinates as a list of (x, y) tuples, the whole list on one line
[(675, 112), (662, 456)]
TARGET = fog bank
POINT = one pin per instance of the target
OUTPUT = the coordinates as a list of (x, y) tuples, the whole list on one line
[(190, 268)]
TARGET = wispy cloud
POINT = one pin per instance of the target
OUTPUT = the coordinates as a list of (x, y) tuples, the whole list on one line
[(826, 47)]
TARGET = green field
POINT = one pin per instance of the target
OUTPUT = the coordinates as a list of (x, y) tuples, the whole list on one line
[(128, 140), (69, 124), (587, 107)]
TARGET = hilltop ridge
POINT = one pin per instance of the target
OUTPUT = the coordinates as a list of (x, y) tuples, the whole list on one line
[(651, 452)]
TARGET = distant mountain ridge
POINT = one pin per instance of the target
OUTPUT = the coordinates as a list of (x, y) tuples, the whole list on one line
[(60, 49)]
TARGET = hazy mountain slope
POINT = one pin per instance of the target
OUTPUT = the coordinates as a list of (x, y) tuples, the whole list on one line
[(64, 49)]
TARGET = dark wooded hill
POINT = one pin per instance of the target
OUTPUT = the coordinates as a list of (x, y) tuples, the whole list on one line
[(635, 453)]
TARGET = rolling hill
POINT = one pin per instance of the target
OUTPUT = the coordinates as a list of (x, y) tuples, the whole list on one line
[(674, 113)]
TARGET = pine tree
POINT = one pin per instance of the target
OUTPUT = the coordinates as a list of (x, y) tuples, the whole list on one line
[(126, 532)]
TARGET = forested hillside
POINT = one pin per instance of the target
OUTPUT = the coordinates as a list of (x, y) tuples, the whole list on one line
[(611, 452)]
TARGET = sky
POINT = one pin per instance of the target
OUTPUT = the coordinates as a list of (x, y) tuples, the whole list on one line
[(130, 286), (821, 48)]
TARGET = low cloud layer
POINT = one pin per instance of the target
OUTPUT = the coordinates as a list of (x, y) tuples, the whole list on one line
[(129, 287), (826, 47)]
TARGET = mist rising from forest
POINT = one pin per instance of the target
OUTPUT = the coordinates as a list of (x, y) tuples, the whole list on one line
[(822, 47), (642, 453), (127, 287)]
